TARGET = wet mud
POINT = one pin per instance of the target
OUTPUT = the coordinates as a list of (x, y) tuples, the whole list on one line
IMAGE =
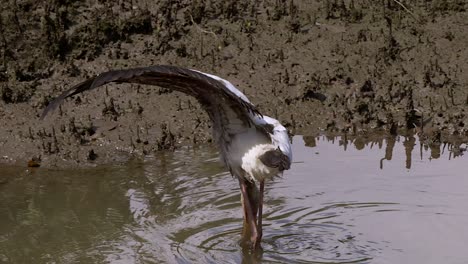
[(342, 67)]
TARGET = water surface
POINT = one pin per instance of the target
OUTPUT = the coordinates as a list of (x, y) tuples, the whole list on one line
[(389, 200)]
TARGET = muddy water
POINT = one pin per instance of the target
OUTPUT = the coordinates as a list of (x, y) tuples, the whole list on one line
[(342, 202)]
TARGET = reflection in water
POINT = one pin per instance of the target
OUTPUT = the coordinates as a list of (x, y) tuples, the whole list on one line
[(362, 141), (388, 149), (409, 145), (333, 206)]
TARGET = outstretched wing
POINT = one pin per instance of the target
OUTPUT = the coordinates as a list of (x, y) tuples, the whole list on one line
[(228, 108)]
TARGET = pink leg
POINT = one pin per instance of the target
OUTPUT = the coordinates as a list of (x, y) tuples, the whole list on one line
[(260, 213), (250, 226)]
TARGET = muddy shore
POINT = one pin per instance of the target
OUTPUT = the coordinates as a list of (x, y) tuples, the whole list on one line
[(341, 67)]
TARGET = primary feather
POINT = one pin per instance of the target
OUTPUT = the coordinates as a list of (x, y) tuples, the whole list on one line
[(238, 126)]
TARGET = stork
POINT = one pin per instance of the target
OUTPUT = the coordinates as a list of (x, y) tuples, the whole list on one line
[(254, 147)]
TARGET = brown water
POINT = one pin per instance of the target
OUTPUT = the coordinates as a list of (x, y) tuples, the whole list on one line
[(388, 202)]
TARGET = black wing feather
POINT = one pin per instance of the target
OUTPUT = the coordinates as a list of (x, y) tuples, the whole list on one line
[(230, 113), (196, 84)]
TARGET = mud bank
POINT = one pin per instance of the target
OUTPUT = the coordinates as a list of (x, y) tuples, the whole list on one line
[(340, 67)]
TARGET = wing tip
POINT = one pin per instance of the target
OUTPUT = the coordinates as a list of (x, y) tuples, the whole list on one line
[(85, 85), (43, 115), (49, 108)]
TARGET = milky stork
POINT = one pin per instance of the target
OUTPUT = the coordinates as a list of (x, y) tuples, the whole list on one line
[(253, 147)]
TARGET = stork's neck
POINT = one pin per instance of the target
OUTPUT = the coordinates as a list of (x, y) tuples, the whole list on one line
[(279, 137)]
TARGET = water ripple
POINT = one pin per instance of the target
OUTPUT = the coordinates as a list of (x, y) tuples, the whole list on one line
[(183, 207)]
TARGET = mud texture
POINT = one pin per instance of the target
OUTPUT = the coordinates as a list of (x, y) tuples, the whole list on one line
[(346, 67)]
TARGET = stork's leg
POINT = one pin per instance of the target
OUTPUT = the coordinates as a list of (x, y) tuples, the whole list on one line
[(260, 214), (250, 210)]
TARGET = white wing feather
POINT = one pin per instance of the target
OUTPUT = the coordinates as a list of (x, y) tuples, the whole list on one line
[(280, 137)]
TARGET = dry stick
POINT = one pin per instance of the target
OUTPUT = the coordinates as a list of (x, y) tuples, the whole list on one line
[(201, 29), (406, 9), (4, 43), (451, 94), (201, 46)]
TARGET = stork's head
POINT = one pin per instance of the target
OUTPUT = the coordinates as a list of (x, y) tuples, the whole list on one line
[(264, 161)]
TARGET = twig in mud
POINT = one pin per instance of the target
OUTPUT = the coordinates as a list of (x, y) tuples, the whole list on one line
[(422, 120), (31, 133), (446, 105), (201, 29), (451, 95), (407, 10), (138, 140)]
